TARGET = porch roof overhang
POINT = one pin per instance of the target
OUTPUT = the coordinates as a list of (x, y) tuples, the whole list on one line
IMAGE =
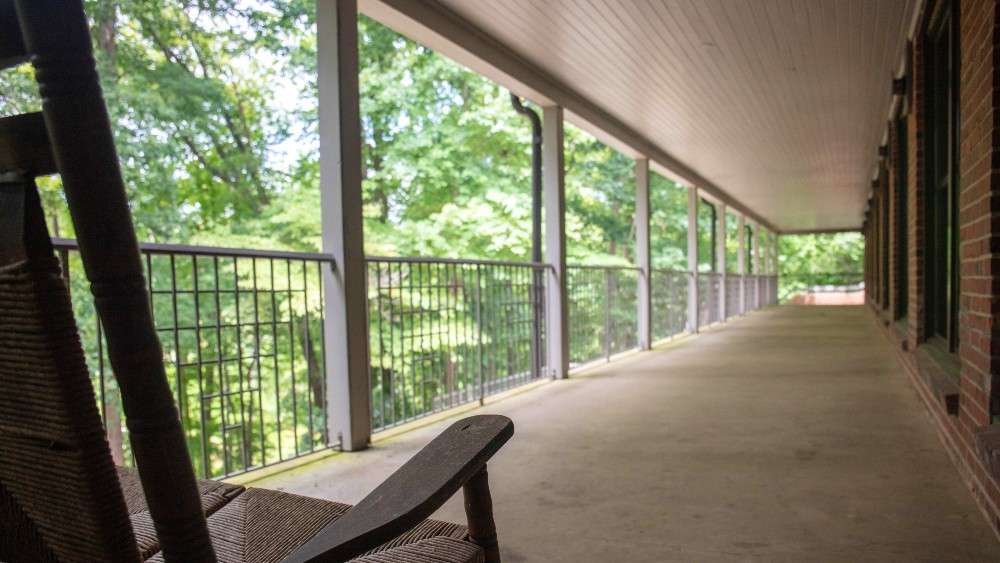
[(774, 107)]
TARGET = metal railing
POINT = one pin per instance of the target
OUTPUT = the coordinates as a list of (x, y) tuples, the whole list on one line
[(242, 338), (763, 291), (750, 293), (446, 332), (669, 296), (709, 288), (734, 289), (820, 283), (603, 309)]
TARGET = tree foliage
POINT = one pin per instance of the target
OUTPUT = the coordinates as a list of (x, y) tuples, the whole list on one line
[(214, 109), (820, 254), (213, 105)]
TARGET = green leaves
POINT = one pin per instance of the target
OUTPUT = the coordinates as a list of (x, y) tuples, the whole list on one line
[(820, 254), (214, 109)]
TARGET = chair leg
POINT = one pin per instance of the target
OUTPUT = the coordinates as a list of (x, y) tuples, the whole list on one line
[(479, 513)]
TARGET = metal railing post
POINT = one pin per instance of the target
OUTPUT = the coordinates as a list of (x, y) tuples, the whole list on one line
[(607, 313), (536, 322), (479, 332)]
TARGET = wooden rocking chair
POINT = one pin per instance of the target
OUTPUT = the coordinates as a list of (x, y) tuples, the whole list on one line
[(61, 498)]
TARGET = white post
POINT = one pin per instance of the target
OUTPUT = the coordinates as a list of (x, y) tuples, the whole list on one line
[(776, 266), (642, 252), (344, 320), (754, 250), (766, 250), (554, 201), (741, 262), (720, 239), (692, 259), (757, 271), (765, 263)]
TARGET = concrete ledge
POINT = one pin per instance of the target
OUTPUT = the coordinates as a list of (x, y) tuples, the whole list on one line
[(382, 436)]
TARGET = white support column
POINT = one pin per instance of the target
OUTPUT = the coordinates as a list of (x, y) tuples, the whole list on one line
[(775, 254), (642, 252), (756, 252), (554, 202), (741, 261), (692, 259), (344, 319), (751, 288), (766, 251), (761, 253), (720, 239), (765, 258)]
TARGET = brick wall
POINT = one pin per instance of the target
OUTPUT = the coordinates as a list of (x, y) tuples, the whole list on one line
[(966, 429), (894, 258), (979, 220), (886, 238), (915, 201)]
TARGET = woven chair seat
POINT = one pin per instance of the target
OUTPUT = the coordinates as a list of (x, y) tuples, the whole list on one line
[(214, 495), (264, 526), (261, 526)]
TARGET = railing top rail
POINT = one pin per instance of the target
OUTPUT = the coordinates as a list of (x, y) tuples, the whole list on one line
[(669, 271), (222, 252), (805, 274), (457, 261), (602, 267)]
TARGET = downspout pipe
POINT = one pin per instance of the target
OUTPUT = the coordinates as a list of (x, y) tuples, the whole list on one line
[(536, 230), (536, 176)]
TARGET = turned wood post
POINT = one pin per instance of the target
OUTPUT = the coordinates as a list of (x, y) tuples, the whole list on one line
[(479, 512)]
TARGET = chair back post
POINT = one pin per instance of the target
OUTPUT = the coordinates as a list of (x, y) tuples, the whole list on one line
[(57, 39)]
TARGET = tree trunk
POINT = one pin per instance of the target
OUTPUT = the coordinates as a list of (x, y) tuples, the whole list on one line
[(106, 30), (315, 370)]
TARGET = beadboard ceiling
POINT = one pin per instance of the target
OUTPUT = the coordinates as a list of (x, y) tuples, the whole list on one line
[(778, 104)]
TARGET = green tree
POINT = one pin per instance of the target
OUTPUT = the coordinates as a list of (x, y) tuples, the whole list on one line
[(668, 223), (213, 106), (820, 254)]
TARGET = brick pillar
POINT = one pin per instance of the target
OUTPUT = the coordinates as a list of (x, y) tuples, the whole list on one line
[(915, 201), (889, 175), (979, 214)]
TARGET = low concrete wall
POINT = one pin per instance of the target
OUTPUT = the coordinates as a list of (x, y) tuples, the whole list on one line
[(829, 298)]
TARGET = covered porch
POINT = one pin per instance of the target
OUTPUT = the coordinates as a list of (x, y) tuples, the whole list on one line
[(790, 434), (671, 400)]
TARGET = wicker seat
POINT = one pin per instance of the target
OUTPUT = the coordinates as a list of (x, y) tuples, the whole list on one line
[(214, 495), (261, 526), (61, 498), (264, 526)]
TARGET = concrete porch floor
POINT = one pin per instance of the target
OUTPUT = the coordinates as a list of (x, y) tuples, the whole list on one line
[(788, 435)]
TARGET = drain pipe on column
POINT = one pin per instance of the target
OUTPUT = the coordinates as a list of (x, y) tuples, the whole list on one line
[(536, 227)]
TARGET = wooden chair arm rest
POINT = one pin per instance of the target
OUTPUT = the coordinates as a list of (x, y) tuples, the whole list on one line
[(412, 493)]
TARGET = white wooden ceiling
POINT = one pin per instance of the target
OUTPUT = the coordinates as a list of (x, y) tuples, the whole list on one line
[(780, 104)]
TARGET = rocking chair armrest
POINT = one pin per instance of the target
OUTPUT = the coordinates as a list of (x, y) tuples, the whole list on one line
[(412, 493)]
